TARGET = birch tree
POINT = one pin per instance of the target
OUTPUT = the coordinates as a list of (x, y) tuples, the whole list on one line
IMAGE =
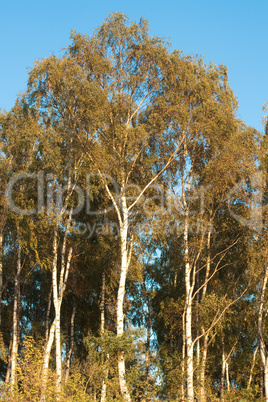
[(117, 120), (17, 155)]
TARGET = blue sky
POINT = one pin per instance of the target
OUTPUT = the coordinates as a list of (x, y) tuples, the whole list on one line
[(233, 32)]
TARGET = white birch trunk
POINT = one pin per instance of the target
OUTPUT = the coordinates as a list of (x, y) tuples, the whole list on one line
[(197, 329), (120, 298), (266, 381), (183, 355), (104, 382), (46, 360), (207, 264), (223, 366), (188, 289), (58, 351), (15, 334), (48, 312), (58, 290), (188, 319), (1, 275), (57, 310), (252, 367), (9, 363), (203, 368), (261, 385), (147, 351), (102, 307), (263, 351), (205, 337), (69, 355), (189, 348), (227, 376)]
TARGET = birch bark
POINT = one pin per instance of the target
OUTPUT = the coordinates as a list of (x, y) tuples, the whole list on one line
[(15, 334), (69, 355), (223, 367), (1, 275), (263, 351), (205, 338), (252, 367), (188, 286), (120, 297), (58, 291), (104, 382)]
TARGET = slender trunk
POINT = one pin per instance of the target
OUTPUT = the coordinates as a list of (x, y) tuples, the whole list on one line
[(147, 351), (266, 381), (207, 263), (189, 348), (57, 310), (261, 385), (197, 329), (227, 376), (252, 367), (15, 335), (183, 355), (120, 299), (188, 285), (58, 351), (102, 307), (69, 355), (205, 337), (58, 291), (1, 275), (48, 311), (188, 319), (263, 352), (9, 363), (198, 355), (46, 359), (104, 382), (223, 366), (203, 368)]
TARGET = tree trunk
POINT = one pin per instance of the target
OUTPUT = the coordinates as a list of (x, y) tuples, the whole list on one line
[(223, 366), (120, 299), (188, 303), (261, 385), (48, 312), (1, 275), (205, 337), (102, 307), (9, 363), (15, 335), (188, 319), (58, 351), (104, 382), (227, 376), (69, 355), (266, 381), (57, 310), (147, 350), (188, 283), (58, 290), (263, 352), (252, 367), (46, 359), (203, 368), (183, 356)]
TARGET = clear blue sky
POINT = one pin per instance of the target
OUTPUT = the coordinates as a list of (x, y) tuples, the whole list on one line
[(233, 32)]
